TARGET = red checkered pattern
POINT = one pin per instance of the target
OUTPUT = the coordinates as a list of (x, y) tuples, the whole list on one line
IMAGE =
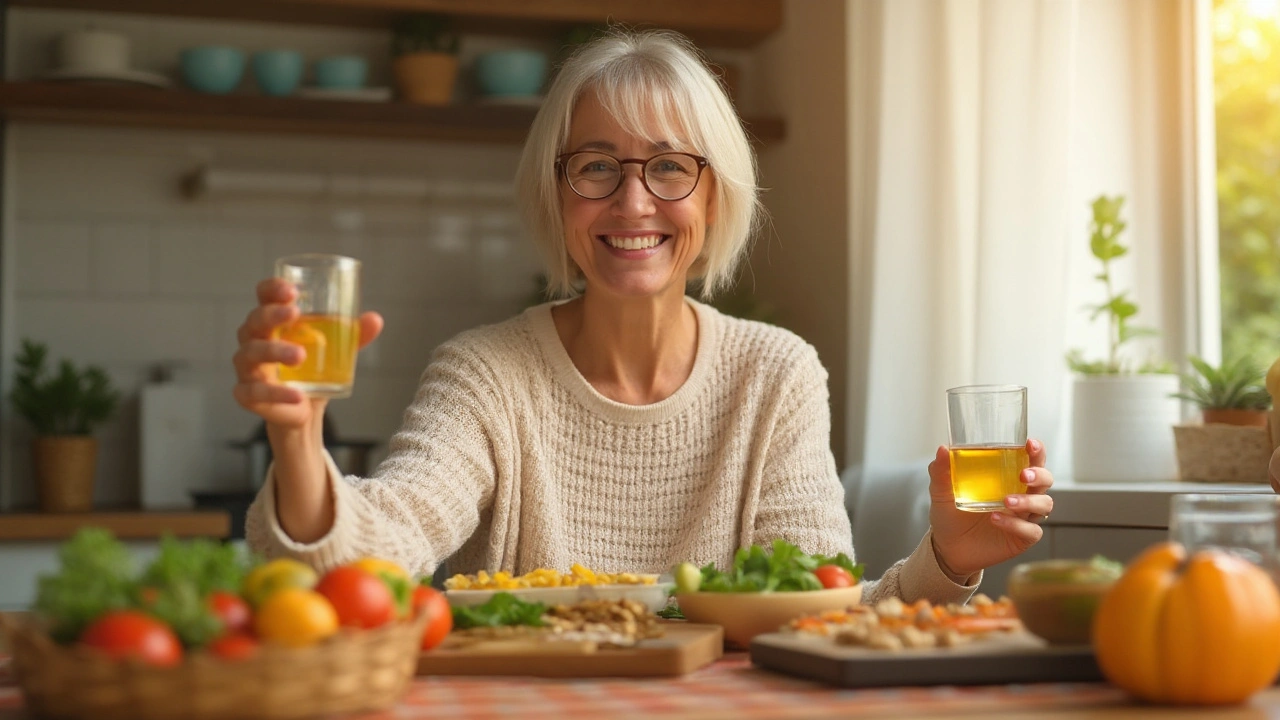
[(730, 688)]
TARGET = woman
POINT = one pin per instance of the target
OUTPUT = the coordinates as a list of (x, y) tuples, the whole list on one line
[(630, 427)]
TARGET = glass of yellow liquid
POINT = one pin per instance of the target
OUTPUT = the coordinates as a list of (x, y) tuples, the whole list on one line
[(328, 325), (988, 447)]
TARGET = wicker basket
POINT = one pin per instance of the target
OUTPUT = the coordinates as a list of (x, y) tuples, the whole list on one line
[(352, 671), (1222, 453)]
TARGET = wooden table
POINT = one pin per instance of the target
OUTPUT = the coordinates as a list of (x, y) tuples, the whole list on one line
[(732, 689)]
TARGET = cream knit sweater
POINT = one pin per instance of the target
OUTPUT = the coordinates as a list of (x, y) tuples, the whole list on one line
[(509, 460)]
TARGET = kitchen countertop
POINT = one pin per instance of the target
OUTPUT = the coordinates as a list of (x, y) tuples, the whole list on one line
[(1130, 505)]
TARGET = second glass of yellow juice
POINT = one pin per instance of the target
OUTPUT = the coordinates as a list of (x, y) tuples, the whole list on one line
[(988, 448)]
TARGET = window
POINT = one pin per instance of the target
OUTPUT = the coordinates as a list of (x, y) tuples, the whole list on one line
[(1246, 77)]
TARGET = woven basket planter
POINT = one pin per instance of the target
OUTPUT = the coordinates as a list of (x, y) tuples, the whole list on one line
[(1222, 453), (352, 671)]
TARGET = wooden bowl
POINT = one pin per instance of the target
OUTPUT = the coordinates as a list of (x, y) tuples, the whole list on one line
[(745, 615)]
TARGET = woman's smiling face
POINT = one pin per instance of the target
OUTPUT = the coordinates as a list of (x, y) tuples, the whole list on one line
[(631, 243)]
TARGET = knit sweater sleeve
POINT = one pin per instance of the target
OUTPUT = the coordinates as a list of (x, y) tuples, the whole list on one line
[(802, 501), (426, 498)]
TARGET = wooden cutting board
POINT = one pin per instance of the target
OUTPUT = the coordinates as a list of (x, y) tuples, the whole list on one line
[(683, 648), (1017, 657)]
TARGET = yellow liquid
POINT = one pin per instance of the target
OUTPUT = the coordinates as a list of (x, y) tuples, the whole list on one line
[(982, 476), (331, 342)]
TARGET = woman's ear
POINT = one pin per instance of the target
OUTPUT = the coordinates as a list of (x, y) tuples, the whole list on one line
[(1275, 470), (712, 206)]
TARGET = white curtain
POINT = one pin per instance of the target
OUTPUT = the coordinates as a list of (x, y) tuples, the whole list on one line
[(981, 129)]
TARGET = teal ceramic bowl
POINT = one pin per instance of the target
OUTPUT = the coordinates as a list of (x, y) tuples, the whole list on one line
[(341, 72), (213, 69), (511, 73), (277, 72)]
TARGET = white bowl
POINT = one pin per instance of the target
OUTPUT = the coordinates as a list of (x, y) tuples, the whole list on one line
[(744, 615)]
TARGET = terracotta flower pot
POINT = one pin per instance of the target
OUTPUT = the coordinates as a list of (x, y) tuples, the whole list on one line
[(426, 78), (1244, 418), (65, 466)]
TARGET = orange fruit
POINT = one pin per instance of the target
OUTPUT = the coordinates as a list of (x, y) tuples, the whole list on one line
[(378, 566), (295, 618), (266, 579)]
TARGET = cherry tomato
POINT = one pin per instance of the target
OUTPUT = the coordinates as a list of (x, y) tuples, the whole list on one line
[(439, 615), (232, 610), (234, 647), (132, 634), (833, 576), (361, 598)]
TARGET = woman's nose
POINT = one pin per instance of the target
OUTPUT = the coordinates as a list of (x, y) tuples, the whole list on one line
[(632, 197)]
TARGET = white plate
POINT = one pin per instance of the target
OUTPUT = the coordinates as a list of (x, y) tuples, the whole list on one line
[(137, 77), (364, 94)]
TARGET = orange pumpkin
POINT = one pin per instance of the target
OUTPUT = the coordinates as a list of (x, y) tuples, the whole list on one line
[(1204, 631)]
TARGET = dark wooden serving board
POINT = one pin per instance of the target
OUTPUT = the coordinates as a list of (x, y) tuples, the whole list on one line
[(683, 648), (1017, 657)]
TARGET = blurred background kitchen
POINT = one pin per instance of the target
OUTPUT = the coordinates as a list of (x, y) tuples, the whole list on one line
[(928, 167)]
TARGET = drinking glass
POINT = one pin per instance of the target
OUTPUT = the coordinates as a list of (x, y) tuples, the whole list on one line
[(1243, 524), (988, 444), (327, 327)]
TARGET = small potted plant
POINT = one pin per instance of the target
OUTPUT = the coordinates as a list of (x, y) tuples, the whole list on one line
[(424, 48), (1233, 444), (1232, 394), (63, 407), (1122, 406)]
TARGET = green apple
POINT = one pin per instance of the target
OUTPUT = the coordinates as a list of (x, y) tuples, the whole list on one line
[(687, 576)]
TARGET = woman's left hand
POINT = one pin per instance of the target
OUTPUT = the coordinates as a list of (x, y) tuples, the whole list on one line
[(966, 542)]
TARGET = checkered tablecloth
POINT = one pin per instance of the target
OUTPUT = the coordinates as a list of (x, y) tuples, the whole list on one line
[(730, 688)]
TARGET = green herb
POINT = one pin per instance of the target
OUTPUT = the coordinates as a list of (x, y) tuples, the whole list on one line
[(671, 612), (95, 577), (176, 586), (1237, 385), (1104, 243), (786, 569), (68, 402), (501, 609)]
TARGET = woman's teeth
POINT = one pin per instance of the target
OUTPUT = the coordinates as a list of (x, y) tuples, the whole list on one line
[(633, 243)]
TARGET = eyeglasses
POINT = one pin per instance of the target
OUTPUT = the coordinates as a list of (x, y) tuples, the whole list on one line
[(596, 175)]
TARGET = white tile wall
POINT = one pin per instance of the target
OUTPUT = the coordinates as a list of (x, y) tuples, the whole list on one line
[(116, 267)]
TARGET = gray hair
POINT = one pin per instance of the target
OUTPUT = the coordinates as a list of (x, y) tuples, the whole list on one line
[(638, 76)]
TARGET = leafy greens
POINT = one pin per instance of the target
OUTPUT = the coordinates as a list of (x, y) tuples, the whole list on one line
[(500, 610), (786, 568)]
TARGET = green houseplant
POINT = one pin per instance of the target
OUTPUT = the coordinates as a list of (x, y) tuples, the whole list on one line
[(424, 51), (63, 407), (1122, 409), (1232, 394)]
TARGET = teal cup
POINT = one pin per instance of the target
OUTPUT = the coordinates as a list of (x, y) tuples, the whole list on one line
[(213, 69), (278, 72), (341, 72), (511, 73)]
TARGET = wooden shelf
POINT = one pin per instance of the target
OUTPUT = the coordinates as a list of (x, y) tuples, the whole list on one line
[(126, 525), (184, 109), (717, 23)]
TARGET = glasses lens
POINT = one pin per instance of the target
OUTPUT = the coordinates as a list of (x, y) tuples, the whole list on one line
[(671, 176), (592, 175)]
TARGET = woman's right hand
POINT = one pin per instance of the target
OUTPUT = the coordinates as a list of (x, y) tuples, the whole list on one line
[(258, 387)]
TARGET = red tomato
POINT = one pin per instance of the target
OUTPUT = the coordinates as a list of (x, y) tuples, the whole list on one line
[(833, 576), (132, 634), (439, 615), (234, 647), (360, 597), (232, 610)]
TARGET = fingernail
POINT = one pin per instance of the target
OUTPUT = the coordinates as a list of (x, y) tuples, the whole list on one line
[(997, 517), (1028, 475), (1035, 446), (1013, 501)]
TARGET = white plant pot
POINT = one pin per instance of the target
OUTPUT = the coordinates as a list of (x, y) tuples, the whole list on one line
[(1122, 430)]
